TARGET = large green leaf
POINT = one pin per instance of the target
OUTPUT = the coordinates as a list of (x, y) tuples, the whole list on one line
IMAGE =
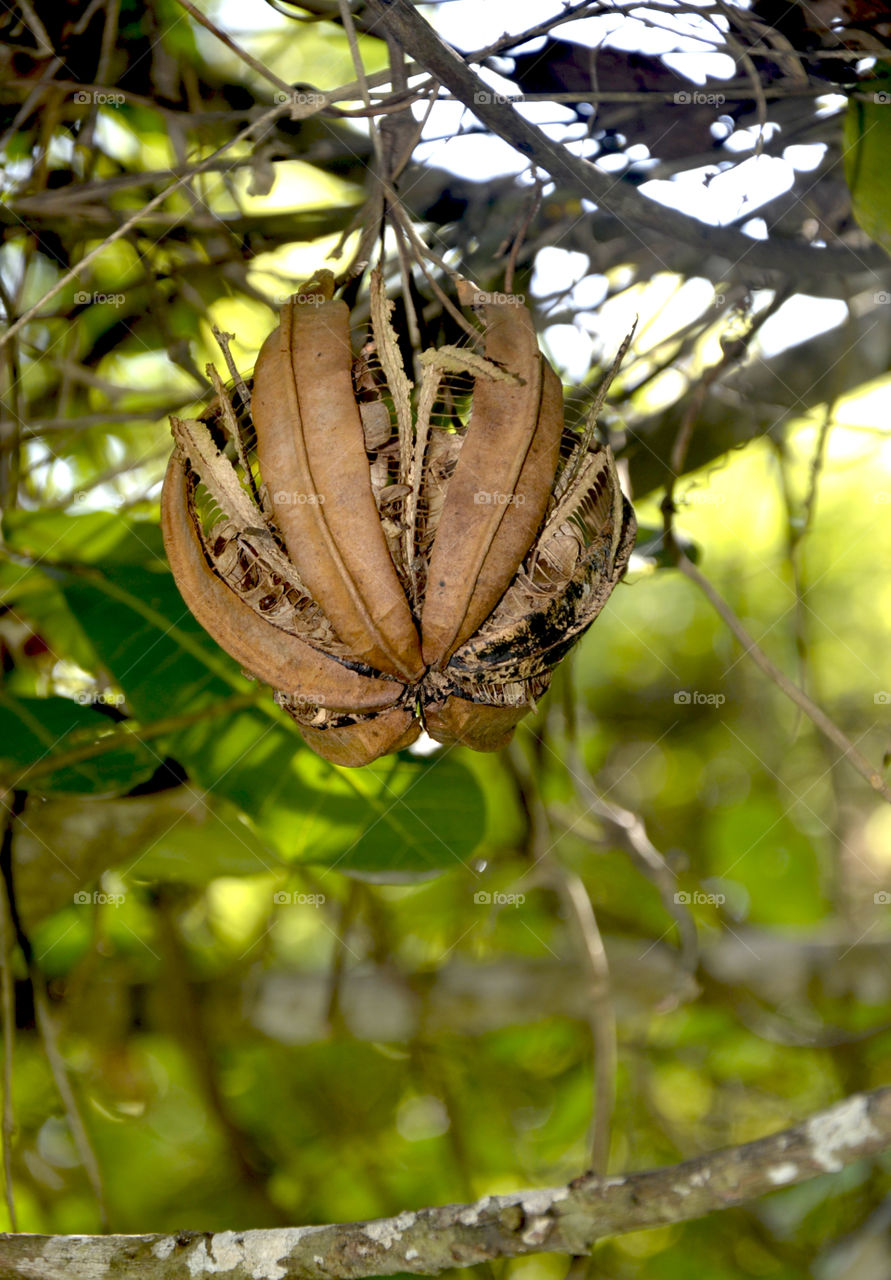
[(93, 537), (172, 836), (409, 815), (52, 536), (867, 139), (34, 731), (401, 816)]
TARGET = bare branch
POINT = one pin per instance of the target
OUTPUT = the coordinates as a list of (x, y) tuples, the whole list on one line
[(637, 214), (566, 1219), (782, 681), (243, 54)]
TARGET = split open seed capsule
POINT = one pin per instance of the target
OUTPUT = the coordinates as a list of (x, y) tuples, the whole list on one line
[(391, 561)]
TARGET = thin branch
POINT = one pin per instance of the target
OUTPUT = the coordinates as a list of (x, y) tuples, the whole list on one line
[(13, 802), (46, 1025), (741, 93), (188, 1024), (532, 207), (738, 51), (601, 1014), (247, 58), (128, 734), (45, 1022), (343, 93), (734, 351), (565, 1219), (630, 833), (570, 13), (782, 681), (622, 825), (296, 110), (637, 214), (400, 215), (36, 27), (600, 1011)]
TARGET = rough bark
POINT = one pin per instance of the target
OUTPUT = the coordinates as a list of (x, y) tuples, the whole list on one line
[(567, 1219)]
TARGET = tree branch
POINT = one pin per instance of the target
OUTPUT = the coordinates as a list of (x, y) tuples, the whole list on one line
[(637, 214), (816, 714), (567, 1219)]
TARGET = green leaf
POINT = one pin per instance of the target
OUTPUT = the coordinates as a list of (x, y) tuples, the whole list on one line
[(34, 730), (92, 537), (143, 633), (33, 599), (401, 816), (412, 815), (174, 836), (867, 143), (211, 842)]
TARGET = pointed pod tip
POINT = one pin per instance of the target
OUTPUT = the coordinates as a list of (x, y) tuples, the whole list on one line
[(468, 292), (317, 289)]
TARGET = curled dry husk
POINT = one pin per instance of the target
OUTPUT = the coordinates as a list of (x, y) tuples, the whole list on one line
[(390, 557)]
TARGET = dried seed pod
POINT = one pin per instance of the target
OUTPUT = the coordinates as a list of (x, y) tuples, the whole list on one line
[(579, 556), (505, 534), (471, 724), (499, 492), (282, 660), (311, 450), (363, 740)]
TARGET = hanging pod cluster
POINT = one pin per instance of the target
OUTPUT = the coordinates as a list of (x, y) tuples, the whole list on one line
[(390, 557)]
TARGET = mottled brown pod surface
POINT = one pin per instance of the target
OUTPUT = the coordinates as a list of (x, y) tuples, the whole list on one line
[(311, 451), (498, 495), (385, 561)]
